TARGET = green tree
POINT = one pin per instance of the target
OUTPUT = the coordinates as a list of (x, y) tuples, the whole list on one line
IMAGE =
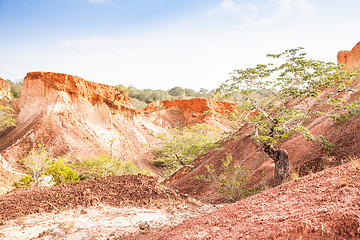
[(233, 181), (6, 117), (15, 88), (105, 165), (36, 162), (176, 91), (291, 76), (182, 146), (61, 173)]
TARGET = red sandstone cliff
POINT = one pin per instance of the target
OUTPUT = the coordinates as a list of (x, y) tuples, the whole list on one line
[(188, 112), (71, 116), (4, 89), (304, 156), (350, 58)]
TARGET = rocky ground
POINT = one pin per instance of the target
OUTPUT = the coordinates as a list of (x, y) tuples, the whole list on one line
[(103, 208), (325, 205)]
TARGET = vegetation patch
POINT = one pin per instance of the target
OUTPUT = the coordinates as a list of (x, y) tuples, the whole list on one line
[(182, 146)]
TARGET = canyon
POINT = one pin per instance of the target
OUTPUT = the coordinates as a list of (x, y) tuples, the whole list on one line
[(71, 116)]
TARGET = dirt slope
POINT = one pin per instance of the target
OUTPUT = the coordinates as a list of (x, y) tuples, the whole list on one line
[(135, 190), (324, 205), (304, 156)]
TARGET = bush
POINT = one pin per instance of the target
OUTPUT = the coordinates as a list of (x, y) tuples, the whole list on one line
[(6, 117), (36, 162), (15, 88), (24, 181), (61, 173), (233, 180), (104, 165), (182, 146)]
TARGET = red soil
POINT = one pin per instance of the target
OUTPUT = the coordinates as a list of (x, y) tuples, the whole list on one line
[(325, 205), (136, 190)]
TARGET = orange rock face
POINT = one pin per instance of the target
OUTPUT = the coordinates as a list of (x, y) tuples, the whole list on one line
[(71, 116), (4, 89), (38, 84), (68, 115), (350, 58), (189, 112)]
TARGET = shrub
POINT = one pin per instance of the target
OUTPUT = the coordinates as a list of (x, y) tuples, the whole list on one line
[(24, 181), (6, 117), (233, 180), (61, 173), (36, 162), (104, 165), (182, 146)]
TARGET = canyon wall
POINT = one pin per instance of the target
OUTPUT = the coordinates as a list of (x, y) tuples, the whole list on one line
[(68, 115), (350, 58), (71, 116), (4, 89)]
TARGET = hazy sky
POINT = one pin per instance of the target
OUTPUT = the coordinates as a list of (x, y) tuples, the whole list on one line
[(160, 44)]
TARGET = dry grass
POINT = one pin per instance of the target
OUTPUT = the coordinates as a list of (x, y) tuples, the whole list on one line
[(356, 162), (294, 175), (344, 181)]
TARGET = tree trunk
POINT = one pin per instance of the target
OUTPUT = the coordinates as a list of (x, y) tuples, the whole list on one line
[(281, 159)]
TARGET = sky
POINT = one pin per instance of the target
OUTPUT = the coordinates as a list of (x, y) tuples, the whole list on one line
[(160, 44)]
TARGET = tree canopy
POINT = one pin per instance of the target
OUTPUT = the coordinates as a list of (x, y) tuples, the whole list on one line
[(296, 86)]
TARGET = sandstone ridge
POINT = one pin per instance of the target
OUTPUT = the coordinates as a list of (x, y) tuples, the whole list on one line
[(350, 58), (305, 157), (4, 89), (189, 112), (71, 116)]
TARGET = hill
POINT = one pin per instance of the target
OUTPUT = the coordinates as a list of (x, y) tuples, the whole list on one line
[(68, 115), (324, 205), (305, 156)]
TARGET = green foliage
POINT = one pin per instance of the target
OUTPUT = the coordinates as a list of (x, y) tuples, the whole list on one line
[(6, 117), (122, 89), (61, 173), (15, 88), (232, 180), (104, 165), (39, 164), (141, 98), (24, 181), (36, 162), (182, 146), (291, 76)]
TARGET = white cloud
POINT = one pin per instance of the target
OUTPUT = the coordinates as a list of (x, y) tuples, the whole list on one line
[(265, 12), (243, 12), (90, 43), (285, 8)]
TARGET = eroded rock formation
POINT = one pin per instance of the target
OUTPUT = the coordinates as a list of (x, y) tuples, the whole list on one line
[(188, 112), (305, 156), (4, 89), (350, 58), (71, 116)]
